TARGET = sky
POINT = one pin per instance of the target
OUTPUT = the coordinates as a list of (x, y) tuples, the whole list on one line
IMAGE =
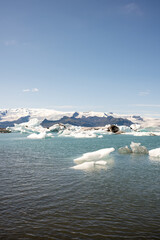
[(81, 55)]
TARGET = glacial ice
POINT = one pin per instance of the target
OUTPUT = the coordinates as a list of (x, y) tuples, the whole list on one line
[(155, 153), (37, 136), (135, 148), (141, 134), (77, 132), (100, 136), (61, 130), (101, 162), (124, 150), (135, 127), (90, 165), (84, 165), (96, 155)]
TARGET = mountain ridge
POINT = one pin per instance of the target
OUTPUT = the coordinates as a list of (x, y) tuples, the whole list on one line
[(9, 117)]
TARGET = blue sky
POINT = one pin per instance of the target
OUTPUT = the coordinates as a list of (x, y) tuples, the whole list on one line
[(81, 55)]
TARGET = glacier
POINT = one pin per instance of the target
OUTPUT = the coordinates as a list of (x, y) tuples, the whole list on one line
[(34, 117)]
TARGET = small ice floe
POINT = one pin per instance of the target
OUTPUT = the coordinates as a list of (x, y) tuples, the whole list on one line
[(100, 136), (40, 135), (137, 148), (135, 127), (134, 148), (84, 166), (77, 132), (124, 150), (90, 165), (125, 129), (155, 153), (101, 162), (96, 155), (92, 160), (37, 136), (57, 127), (141, 134)]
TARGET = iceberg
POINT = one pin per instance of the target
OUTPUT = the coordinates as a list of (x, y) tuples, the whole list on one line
[(96, 155), (155, 153), (37, 136), (136, 148), (135, 127), (101, 162), (83, 166), (40, 135), (90, 165), (124, 150)]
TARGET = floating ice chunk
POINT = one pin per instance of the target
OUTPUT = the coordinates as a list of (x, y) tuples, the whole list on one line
[(124, 150), (89, 165), (136, 148), (135, 127), (57, 127), (155, 152), (141, 134), (85, 165), (49, 135), (96, 155), (100, 136), (77, 132), (37, 136), (101, 162), (84, 135), (125, 129)]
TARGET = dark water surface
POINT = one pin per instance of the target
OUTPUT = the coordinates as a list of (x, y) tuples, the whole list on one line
[(41, 197)]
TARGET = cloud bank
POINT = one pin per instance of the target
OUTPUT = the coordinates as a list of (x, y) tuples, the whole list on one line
[(30, 90)]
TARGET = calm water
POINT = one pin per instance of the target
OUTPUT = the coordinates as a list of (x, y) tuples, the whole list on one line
[(41, 197)]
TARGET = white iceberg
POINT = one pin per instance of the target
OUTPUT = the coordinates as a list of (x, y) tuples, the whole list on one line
[(39, 135), (124, 150), (135, 127), (155, 153), (138, 149), (85, 165), (124, 129), (101, 162), (94, 156), (135, 148), (90, 165)]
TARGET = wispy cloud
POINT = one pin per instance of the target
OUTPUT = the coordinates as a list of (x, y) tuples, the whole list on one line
[(30, 90), (147, 105), (144, 93), (132, 8), (10, 42), (26, 90), (35, 90)]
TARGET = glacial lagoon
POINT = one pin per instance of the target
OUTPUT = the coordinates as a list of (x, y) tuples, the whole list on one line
[(42, 195)]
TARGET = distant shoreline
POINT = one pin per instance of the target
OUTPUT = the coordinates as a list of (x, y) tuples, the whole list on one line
[(4, 130)]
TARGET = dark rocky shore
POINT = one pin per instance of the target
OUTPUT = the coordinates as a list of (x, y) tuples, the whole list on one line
[(4, 130)]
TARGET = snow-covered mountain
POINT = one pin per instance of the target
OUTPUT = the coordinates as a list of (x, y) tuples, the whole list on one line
[(10, 116)]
